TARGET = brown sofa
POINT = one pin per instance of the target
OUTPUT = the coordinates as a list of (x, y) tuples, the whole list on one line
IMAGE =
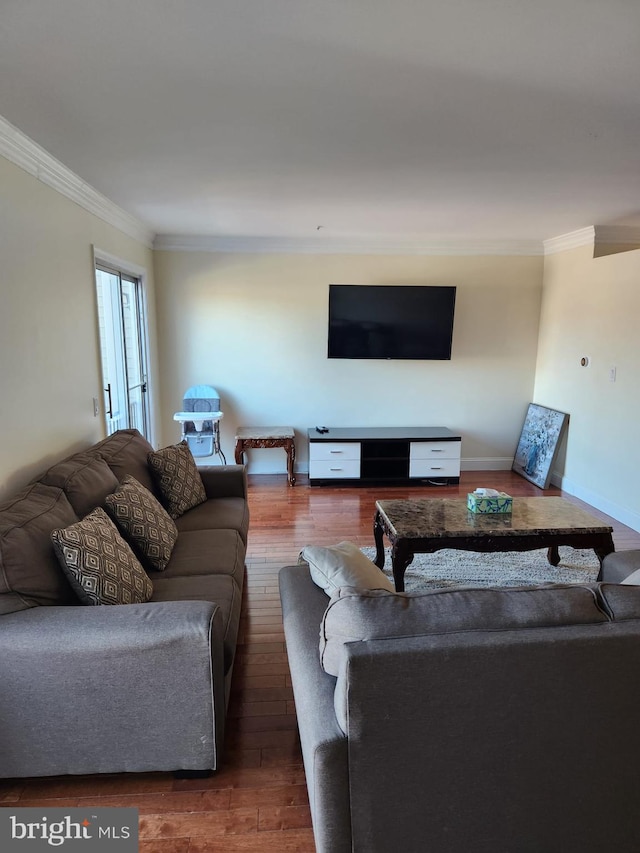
[(134, 687)]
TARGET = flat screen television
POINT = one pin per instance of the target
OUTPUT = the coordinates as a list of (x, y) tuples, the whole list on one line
[(391, 321)]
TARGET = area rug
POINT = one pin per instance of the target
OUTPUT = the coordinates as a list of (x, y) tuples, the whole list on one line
[(449, 568)]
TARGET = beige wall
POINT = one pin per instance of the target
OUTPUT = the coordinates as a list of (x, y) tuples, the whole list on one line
[(255, 327), (49, 356), (591, 307)]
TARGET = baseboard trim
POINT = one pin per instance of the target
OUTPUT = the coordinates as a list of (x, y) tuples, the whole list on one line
[(620, 513), (487, 463)]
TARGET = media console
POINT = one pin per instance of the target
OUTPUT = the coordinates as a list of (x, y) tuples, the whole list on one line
[(376, 455)]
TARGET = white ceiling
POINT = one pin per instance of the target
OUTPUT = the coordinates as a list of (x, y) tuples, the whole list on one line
[(374, 119)]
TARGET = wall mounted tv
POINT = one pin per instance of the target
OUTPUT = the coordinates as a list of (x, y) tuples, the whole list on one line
[(391, 321)]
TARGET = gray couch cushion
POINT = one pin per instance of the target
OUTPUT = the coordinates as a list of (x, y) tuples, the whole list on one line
[(29, 571), (125, 452), (208, 552), (223, 481), (217, 513), (622, 600), (100, 565), (86, 480), (143, 522), (354, 615), (219, 589)]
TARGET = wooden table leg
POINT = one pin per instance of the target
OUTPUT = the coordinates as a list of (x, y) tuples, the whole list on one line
[(401, 557), (378, 533), (401, 552), (290, 449), (239, 452)]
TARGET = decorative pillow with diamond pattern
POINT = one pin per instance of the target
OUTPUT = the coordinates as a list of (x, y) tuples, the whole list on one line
[(176, 475), (144, 523), (100, 566)]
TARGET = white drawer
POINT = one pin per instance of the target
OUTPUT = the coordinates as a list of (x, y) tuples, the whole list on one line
[(332, 450), (435, 450), (326, 469), (434, 468)]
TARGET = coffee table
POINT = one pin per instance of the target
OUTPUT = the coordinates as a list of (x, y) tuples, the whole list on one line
[(426, 526)]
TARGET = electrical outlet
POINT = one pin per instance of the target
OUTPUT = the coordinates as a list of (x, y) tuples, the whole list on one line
[(96, 407), (612, 374)]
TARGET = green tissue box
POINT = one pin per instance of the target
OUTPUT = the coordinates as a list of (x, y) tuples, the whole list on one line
[(501, 503)]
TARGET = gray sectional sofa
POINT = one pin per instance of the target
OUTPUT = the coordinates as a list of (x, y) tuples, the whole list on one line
[(468, 721), (134, 687)]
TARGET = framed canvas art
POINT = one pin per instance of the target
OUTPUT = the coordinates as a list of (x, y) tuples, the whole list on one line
[(539, 442)]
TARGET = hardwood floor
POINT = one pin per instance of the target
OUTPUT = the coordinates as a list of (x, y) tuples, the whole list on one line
[(257, 802)]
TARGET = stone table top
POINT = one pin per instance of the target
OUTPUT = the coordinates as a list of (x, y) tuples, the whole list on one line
[(266, 432), (449, 517)]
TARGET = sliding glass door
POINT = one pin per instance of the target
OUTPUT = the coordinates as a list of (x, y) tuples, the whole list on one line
[(123, 349)]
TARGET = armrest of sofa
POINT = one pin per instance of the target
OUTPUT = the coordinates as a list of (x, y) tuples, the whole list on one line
[(620, 565), (324, 745), (135, 688), (224, 481)]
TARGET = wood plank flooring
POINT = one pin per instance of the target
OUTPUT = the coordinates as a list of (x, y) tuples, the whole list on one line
[(257, 802)]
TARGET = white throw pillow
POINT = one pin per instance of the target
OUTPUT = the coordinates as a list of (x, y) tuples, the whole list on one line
[(341, 565)]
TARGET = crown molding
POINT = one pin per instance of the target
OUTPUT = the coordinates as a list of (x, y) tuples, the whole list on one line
[(572, 240), (324, 246), (19, 149), (625, 235), (25, 153)]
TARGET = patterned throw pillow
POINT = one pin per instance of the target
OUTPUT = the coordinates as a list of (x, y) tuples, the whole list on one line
[(100, 566), (143, 522), (177, 477)]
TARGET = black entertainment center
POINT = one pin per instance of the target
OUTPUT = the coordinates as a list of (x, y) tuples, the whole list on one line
[(379, 455)]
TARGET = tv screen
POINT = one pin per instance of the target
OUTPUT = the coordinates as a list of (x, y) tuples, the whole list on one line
[(391, 321)]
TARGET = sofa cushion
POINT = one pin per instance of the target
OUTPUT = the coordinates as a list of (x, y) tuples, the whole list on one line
[(343, 564), (29, 571), (208, 552), (622, 600), (144, 523), (85, 479), (125, 452), (220, 589), (355, 615), (177, 478), (215, 514), (101, 567)]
